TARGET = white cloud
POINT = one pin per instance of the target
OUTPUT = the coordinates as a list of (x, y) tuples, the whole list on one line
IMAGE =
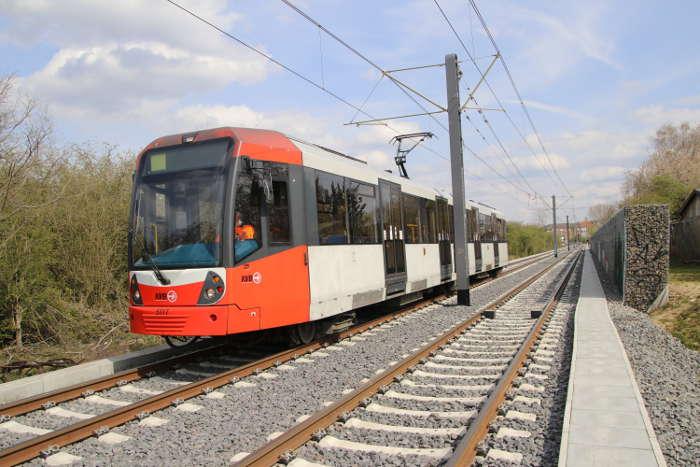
[(118, 57), (81, 23), (555, 109), (657, 115), (601, 173), (594, 145), (115, 77), (299, 124), (536, 162), (369, 143), (555, 44), (378, 159)]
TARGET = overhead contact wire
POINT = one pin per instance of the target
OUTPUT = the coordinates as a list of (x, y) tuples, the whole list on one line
[(488, 85), (517, 93)]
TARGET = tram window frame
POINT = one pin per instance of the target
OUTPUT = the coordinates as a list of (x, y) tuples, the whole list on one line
[(450, 223), (471, 225), (335, 206), (412, 212), (428, 220), (361, 233), (279, 178), (254, 211), (482, 226)]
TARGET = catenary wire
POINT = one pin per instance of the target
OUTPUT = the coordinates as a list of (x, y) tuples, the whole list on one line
[(488, 85), (402, 86), (517, 93), (328, 91)]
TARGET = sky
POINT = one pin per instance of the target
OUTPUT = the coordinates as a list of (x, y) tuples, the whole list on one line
[(598, 79)]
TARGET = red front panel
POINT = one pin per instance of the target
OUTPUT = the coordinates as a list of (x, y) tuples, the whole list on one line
[(277, 286), (266, 293), (179, 320)]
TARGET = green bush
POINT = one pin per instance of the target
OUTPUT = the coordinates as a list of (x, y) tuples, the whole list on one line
[(525, 240)]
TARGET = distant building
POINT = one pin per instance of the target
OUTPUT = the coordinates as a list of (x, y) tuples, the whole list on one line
[(685, 231), (581, 230)]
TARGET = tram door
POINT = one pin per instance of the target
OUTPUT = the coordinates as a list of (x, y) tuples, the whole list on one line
[(494, 239), (477, 239), (444, 238), (393, 237)]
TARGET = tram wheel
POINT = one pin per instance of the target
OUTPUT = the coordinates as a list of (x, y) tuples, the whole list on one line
[(302, 334), (177, 342)]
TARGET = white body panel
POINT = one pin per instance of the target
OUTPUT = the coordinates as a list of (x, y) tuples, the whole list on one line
[(502, 254), (344, 277), (176, 276), (422, 266), (471, 258), (487, 256)]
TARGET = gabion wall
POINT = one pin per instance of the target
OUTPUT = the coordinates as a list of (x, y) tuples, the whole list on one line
[(632, 250)]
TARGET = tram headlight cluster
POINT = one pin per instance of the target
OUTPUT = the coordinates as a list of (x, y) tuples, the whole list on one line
[(212, 290), (135, 292)]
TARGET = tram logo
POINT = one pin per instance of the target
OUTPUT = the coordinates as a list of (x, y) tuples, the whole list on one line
[(172, 296), (255, 278)]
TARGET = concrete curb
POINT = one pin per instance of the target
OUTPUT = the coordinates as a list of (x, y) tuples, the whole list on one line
[(655, 446), (58, 379), (566, 426)]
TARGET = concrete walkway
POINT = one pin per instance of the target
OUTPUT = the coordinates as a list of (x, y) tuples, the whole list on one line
[(606, 423)]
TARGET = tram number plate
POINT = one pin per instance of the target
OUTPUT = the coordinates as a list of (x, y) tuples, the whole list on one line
[(162, 311)]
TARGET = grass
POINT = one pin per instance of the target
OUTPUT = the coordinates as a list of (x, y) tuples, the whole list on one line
[(681, 316), (66, 355)]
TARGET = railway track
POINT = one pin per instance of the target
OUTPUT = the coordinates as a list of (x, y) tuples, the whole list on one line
[(441, 398), (176, 386), (133, 375)]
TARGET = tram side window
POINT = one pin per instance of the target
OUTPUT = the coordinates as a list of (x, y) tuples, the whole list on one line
[(247, 216), (450, 222), (279, 213), (482, 227), (412, 224), (471, 226), (428, 221), (362, 208), (331, 209)]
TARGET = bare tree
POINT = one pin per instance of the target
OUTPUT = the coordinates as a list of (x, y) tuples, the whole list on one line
[(599, 214), (670, 171), (23, 132)]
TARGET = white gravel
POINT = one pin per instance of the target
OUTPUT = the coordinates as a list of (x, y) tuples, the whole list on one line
[(668, 374)]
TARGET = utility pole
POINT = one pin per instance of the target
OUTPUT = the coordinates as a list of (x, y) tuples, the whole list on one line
[(567, 234), (554, 225), (457, 165)]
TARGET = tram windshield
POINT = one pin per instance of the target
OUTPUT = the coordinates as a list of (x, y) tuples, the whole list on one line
[(178, 207)]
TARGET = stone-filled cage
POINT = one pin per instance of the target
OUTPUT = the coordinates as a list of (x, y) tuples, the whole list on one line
[(632, 251)]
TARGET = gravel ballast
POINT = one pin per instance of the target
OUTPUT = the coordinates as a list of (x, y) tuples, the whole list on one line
[(247, 415), (668, 375), (541, 447)]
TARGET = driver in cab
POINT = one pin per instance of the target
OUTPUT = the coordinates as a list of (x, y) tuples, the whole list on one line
[(244, 236)]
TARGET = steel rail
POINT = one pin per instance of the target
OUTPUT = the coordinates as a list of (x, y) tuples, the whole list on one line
[(271, 452), (26, 405), (34, 447), (29, 404), (465, 451)]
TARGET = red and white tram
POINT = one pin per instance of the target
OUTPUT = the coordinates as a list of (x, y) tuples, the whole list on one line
[(235, 230)]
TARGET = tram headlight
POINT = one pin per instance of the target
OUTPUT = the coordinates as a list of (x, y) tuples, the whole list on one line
[(212, 289), (135, 292)]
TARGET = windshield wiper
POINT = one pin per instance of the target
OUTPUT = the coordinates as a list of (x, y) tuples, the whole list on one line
[(159, 275)]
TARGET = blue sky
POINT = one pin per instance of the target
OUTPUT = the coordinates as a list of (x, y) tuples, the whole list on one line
[(598, 77)]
